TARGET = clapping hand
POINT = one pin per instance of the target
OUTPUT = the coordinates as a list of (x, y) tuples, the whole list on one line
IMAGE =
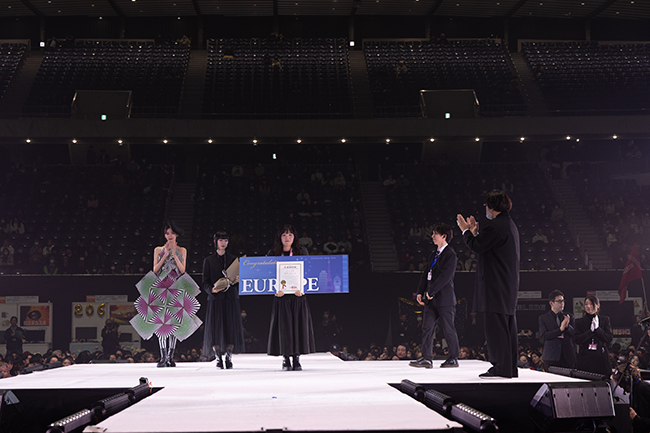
[(467, 224), (279, 293), (565, 323)]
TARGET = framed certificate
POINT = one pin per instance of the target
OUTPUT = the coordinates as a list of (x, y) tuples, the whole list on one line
[(290, 276)]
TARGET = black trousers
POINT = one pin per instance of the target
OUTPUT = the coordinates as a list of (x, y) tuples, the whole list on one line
[(445, 316), (501, 337)]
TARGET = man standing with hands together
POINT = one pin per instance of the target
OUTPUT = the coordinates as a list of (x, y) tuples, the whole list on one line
[(497, 280), (556, 329), (436, 293)]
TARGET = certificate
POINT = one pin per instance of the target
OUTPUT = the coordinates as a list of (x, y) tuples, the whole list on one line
[(289, 276)]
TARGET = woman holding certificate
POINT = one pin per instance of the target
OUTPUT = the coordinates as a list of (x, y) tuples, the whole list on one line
[(291, 332)]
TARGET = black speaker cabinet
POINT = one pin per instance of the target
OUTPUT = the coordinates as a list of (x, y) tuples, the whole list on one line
[(588, 400), (93, 104), (451, 104)]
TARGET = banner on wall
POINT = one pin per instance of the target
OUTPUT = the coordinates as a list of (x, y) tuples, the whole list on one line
[(322, 274), (35, 315), (123, 313)]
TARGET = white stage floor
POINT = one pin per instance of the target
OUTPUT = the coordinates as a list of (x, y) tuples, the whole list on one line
[(328, 395)]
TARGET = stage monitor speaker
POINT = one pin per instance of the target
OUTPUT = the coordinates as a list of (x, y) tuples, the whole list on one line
[(589, 400), (101, 104), (12, 417), (449, 104)]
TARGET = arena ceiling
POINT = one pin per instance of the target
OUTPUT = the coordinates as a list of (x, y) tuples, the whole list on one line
[(620, 9)]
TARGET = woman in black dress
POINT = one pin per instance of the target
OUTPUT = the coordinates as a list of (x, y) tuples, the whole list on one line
[(291, 332), (223, 328), (593, 337)]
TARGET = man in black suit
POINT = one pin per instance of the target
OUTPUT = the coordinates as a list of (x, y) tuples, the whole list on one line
[(556, 329), (497, 280), (436, 293)]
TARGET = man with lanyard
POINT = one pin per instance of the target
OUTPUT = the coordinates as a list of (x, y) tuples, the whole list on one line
[(436, 294)]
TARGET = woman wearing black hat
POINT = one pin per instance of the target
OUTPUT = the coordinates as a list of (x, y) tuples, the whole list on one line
[(224, 332), (291, 332)]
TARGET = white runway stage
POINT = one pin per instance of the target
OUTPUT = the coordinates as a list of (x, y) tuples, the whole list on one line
[(328, 395)]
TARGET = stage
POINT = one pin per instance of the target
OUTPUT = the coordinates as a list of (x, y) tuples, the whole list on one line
[(256, 395)]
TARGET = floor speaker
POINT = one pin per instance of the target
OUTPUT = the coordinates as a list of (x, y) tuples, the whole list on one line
[(12, 417), (562, 406)]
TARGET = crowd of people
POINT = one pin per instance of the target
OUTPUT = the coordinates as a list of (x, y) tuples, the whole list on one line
[(47, 235)]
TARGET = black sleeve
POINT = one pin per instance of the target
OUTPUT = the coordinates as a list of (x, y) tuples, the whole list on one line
[(206, 283)]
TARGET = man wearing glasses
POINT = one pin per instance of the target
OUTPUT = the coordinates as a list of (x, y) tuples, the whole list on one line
[(556, 329)]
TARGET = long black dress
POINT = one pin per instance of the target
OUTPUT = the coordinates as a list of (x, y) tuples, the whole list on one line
[(595, 360), (291, 331), (223, 326)]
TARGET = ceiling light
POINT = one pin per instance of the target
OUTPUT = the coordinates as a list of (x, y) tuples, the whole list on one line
[(477, 139), (298, 141), (209, 139), (165, 141), (74, 141), (522, 138), (343, 140), (387, 140), (568, 137), (28, 141), (614, 136), (432, 140)]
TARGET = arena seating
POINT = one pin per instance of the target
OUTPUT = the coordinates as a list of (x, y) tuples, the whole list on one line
[(11, 56), (467, 64), (59, 211), (591, 76), (155, 74), (240, 205), (617, 207), (310, 80), (438, 193)]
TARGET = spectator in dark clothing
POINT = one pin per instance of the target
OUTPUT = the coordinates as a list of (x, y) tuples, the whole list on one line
[(14, 336)]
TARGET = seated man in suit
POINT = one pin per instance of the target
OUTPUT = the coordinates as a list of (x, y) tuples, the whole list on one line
[(556, 329)]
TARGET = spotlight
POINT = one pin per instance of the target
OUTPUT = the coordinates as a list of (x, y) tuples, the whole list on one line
[(614, 136), (254, 141), (432, 140), (577, 139), (74, 141), (28, 141), (210, 140), (343, 140), (73, 422), (568, 137), (165, 141), (119, 141), (522, 138), (351, 43), (298, 141), (477, 139), (387, 140), (415, 390)]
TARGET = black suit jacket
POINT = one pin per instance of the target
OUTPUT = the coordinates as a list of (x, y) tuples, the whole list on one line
[(441, 286), (497, 276), (549, 331), (212, 267)]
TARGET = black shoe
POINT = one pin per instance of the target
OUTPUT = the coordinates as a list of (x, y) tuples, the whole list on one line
[(170, 358), (228, 360), (162, 362), (451, 362), (421, 363), (490, 375), (219, 361), (286, 364), (296, 363)]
